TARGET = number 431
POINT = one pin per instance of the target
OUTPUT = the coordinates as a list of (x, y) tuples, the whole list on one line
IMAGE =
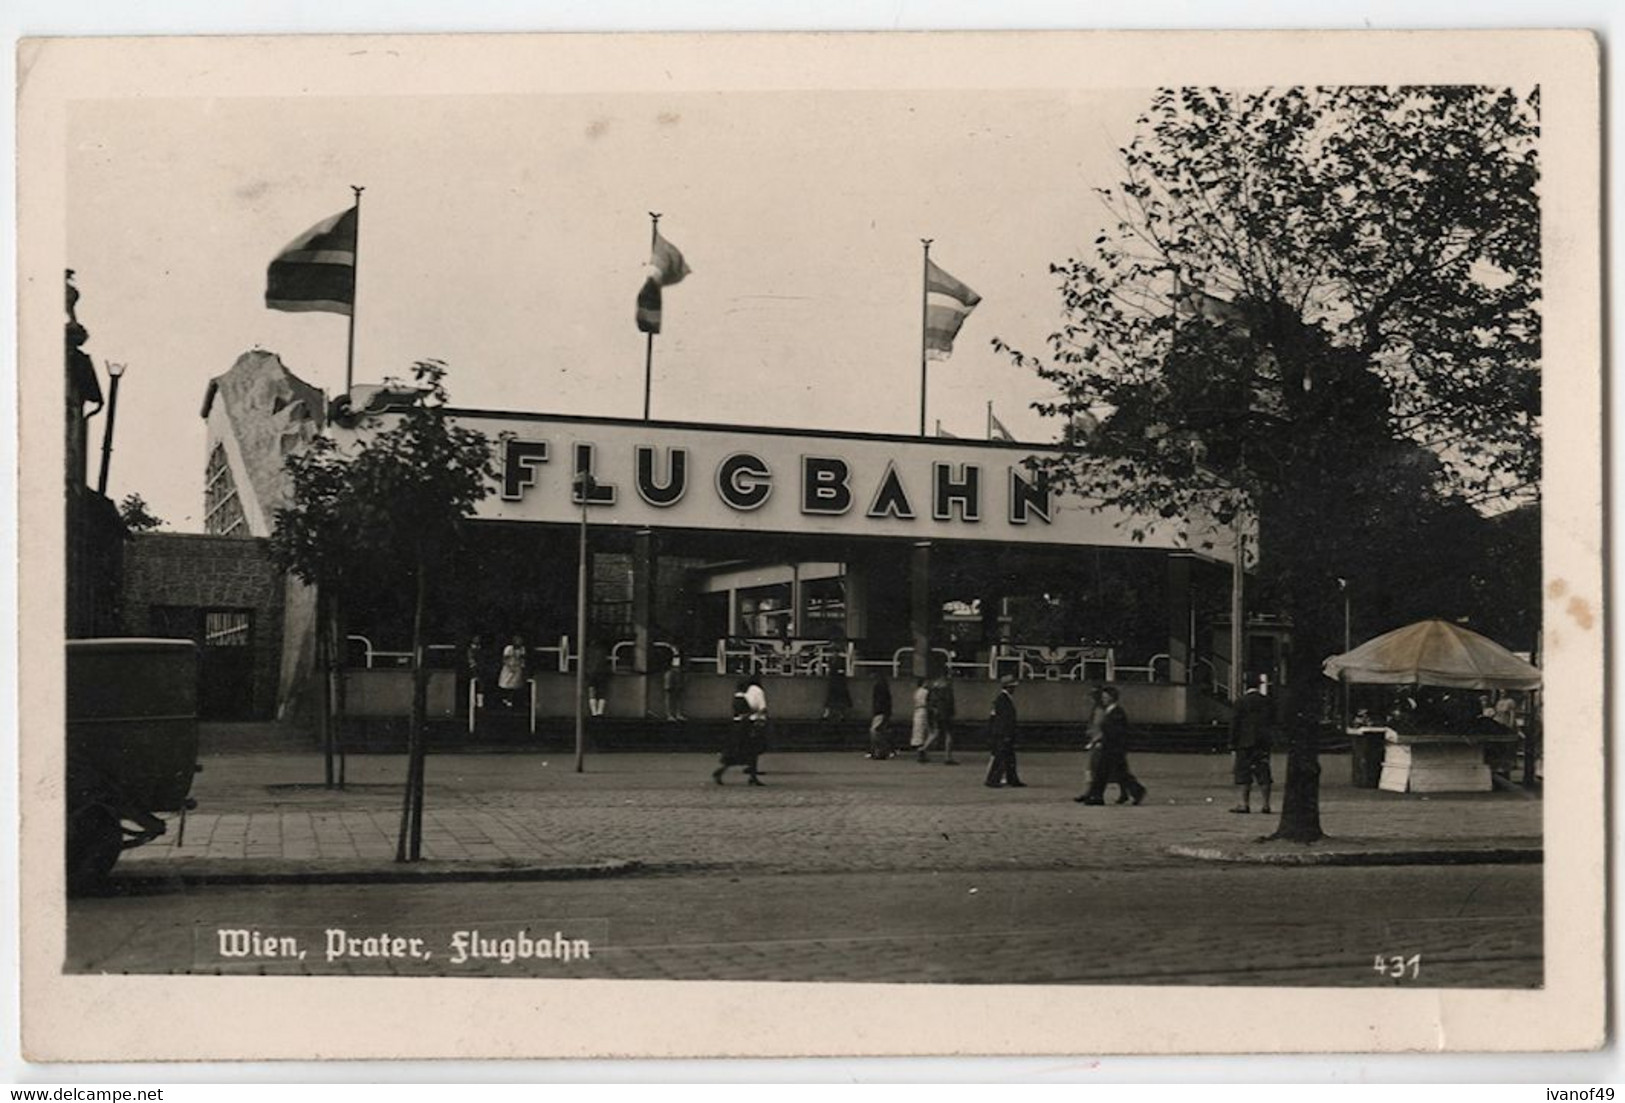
[(1397, 966)]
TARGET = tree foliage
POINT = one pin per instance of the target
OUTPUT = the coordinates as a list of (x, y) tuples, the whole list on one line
[(1365, 259), (410, 485), (137, 515), (1319, 307), (387, 504)]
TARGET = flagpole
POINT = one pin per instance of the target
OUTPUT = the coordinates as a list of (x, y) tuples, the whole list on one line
[(349, 358), (990, 419), (649, 347), (925, 317)]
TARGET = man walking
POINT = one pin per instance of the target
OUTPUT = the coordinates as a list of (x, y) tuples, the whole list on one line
[(939, 719), (1113, 754), (1001, 729), (1250, 740)]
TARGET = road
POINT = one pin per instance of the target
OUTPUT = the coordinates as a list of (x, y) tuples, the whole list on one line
[(840, 869), (1180, 923)]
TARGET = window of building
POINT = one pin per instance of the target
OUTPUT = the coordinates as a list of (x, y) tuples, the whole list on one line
[(222, 509)]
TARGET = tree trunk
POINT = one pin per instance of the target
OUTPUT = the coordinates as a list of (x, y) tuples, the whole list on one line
[(409, 847), (1303, 600), (335, 678), (320, 683), (420, 709)]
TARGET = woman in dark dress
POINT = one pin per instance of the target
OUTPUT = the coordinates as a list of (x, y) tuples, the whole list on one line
[(880, 745), (742, 747)]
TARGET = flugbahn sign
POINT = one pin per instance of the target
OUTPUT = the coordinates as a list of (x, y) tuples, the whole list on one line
[(663, 474)]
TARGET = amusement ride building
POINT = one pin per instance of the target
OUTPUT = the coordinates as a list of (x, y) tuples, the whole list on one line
[(735, 550)]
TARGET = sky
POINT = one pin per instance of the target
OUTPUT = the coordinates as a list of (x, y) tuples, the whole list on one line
[(507, 236)]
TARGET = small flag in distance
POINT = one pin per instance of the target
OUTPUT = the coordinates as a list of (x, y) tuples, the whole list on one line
[(995, 427), (947, 304), (316, 271), (666, 267)]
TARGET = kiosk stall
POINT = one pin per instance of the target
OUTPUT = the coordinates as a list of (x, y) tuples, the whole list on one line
[(1431, 753)]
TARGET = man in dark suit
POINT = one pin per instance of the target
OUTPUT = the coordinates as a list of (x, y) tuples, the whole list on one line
[(1113, 755), (1001, 730), (1250, 739)]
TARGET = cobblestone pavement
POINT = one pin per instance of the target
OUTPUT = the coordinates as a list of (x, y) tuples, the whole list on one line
[(1183, 924), (820, 812), (840, 869)]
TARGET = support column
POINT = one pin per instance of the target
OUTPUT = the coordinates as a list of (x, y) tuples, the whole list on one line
[(920, 620), (645, 561), (1179, 619), (856, 584), (993, 599)]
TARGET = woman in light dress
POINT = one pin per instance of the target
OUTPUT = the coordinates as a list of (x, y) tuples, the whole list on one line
[(512, 675), (921, 729)]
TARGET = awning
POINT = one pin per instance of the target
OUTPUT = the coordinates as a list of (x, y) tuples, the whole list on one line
[(1434, 653)]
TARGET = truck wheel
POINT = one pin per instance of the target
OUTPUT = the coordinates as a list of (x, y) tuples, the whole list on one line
[(95, 840)]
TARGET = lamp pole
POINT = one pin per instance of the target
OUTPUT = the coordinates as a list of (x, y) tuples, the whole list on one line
[(115, 372), (583, 491), (1238, 612), (1348, 645)]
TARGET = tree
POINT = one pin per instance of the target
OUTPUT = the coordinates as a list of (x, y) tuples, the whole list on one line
[(136, 516), (408, 489), (316, 540), (1317, 308)]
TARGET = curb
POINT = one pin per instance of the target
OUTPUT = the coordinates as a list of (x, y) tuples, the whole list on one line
[(239, 871), (1300, 856)]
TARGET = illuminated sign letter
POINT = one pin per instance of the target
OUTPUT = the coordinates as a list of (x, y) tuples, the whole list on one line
[(966, 491), (519, 460), (598, 493), (824, 486), (744, 481), (670, 492), (891, 500), (1029, 497)]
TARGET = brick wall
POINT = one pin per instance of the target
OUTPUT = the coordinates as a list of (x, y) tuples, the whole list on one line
[(209, 572)]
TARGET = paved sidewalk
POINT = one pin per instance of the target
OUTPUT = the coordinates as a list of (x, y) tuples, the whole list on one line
[(268, 814)]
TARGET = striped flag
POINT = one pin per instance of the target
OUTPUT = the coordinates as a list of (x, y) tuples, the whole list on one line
[(317, 269), (995, 427), (947, 304), (666, 267)]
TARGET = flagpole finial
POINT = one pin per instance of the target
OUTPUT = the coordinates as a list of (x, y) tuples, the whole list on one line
[(654, 215), (358, 189)]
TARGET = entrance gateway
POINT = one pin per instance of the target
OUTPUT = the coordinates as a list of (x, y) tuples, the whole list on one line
[(794, 555)]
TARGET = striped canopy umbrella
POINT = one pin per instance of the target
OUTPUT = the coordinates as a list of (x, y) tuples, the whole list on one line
[(1434, 653)]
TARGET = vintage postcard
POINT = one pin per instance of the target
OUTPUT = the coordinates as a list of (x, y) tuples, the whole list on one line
[(829, 544)]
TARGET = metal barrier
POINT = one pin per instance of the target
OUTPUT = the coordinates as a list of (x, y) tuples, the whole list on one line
[(897, 659), (474, 696), (397, 658), (615, 661)]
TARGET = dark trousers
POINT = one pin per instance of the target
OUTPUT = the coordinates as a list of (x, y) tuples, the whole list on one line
[(1114, 767), (1098, 770), (1001, 769)]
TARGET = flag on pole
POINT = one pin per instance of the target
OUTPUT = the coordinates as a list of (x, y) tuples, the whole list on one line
[(995, 427), (947, 304), (941, 432), (316, 271), (666, 267)]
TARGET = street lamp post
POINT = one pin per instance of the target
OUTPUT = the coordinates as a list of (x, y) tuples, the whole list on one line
[(584, 491), (1238, 613), (1348, 645), (115, 372)]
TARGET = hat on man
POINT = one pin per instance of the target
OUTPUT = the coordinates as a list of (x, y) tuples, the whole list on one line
[(1010, 681)]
